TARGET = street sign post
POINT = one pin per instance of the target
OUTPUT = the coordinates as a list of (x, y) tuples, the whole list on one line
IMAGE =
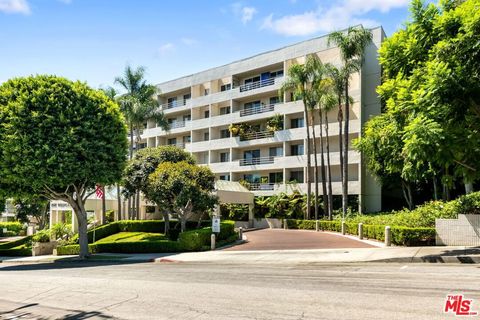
[(216, 225)]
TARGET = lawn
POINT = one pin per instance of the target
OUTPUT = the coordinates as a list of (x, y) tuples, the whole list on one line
[(133, 237)]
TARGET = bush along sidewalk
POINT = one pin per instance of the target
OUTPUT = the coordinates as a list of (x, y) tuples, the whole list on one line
[(402, 236), (192, 240), (17, 248)]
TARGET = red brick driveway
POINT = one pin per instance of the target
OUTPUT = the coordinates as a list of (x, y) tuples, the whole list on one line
[(279, 239)]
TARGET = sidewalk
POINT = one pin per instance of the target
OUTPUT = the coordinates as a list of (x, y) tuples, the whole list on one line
[(388, 254)]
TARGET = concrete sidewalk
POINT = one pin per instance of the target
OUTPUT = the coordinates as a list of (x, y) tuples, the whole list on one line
[(312, 256)]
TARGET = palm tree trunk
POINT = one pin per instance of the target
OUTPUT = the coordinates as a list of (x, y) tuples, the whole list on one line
[(130, 205), (340, 136), (104, 206), (322, 163), (345, 152), (137, 216), (329, 171), (309, 182), (315, 165), (119, 203)]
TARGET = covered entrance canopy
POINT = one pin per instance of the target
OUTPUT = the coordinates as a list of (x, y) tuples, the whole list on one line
[(234, 192)]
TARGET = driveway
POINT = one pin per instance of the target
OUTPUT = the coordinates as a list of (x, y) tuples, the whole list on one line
[(280, 239)]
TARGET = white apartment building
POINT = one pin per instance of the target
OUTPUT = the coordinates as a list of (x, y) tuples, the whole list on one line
[(201, 107)]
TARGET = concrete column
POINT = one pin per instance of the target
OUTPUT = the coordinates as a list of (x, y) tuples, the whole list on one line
[(250, 215)]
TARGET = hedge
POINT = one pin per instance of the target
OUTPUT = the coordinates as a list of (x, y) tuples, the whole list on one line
[(193, 240), (404, 236), (20, 247), (13, 228)]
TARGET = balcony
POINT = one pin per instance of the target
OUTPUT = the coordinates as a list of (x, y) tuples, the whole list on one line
[(258, 84), (256, 110), (177, 124), (180, 145), (174, 104), (262, 186), (257, 135), (256, 161)]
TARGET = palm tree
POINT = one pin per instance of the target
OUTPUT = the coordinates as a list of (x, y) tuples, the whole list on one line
[(298, 82), (139, 104), (112, 93), (352, 44)]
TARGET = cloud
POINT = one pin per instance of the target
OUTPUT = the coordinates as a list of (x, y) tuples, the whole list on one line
[(245, 13), (15, 6), (324, 19), (188, 41), (166, 48)]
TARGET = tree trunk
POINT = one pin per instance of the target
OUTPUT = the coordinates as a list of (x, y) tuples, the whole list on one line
[(315, 165), (345, 153), (407, 194), (183, 223), (309, 182), (340, 137), (134, 202), (79, 209), (166, 218), (119, 203), (435, 188), (137, 217), (104, 207), (322, 164), (129, 207), (329, 171)]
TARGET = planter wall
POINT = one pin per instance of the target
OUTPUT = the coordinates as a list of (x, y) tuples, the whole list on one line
[(43, 248), (262, 223), (463, 231)]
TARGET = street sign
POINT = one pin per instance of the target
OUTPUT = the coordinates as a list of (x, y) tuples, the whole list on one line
[(216, 225)]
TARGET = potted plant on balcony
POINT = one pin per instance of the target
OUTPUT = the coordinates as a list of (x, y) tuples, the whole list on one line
[(275, 123)]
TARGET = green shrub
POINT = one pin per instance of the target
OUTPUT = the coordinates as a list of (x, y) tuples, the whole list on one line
[(16, 252), (194, 240), (26, 241), (13, 228), (74, 249), (109, 216), (61, 231), (374, 232), (413, 236), (42, 236)]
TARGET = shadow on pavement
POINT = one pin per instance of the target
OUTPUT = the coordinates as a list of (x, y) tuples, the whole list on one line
[(62, 265), (25, 312), (446, 256)]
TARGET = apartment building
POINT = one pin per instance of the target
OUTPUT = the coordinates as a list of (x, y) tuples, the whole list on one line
[(245, 94)]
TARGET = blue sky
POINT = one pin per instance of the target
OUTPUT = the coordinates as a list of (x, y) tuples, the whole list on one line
[(93, 40)]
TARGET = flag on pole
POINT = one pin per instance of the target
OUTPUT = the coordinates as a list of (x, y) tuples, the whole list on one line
[(99, 191)]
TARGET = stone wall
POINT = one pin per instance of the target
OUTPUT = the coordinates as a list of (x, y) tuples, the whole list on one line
[(463, 231)]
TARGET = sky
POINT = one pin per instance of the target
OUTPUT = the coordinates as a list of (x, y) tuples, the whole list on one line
[(93, 40)]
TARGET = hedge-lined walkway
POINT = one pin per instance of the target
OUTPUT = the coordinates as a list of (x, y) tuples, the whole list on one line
[(279, 239)]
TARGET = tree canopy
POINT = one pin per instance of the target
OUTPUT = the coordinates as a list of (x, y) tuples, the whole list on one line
[(59, 139), (431, 92)]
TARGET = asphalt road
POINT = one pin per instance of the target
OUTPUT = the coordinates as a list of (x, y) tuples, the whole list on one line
[(207, 291), (279, 239)]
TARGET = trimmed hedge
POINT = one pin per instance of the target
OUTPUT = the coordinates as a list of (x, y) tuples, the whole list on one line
[(20, 247), (13, 228), (12, 244), (193, 240), (404, 236)]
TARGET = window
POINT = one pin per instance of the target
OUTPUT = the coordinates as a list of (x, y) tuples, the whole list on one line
[(226, 87), (224, 133), (254, 106), (297, 150), (172, 141), (297, 123), (187, 117), (251, 80), (186, 139), (225, 110), (225, 177), (206, 92), (296, 176), (224, 156), (141, 145), (252, 178), (207, 114), (275, 177), (206, 136), (276, 74), (186, 97), (276, 152), (172, 102), (274, 100)]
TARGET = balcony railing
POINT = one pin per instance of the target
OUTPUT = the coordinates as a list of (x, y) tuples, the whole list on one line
[(178, 124), (180, 145), (257, 135), (257, 84), (256, 161), (174, 104), (262, 186), (256, 110)]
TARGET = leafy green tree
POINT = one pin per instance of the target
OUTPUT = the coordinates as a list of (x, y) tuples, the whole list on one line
[(144, 163), (184, 187), (58, 140), (352, 44), (32, 207)]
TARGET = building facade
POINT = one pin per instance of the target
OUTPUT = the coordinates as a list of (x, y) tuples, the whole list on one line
[(201, 107)]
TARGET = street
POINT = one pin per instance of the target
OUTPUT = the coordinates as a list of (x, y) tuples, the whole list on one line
[(233, 291)]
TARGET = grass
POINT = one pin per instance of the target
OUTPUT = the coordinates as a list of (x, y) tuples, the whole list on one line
[(133, 237)]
